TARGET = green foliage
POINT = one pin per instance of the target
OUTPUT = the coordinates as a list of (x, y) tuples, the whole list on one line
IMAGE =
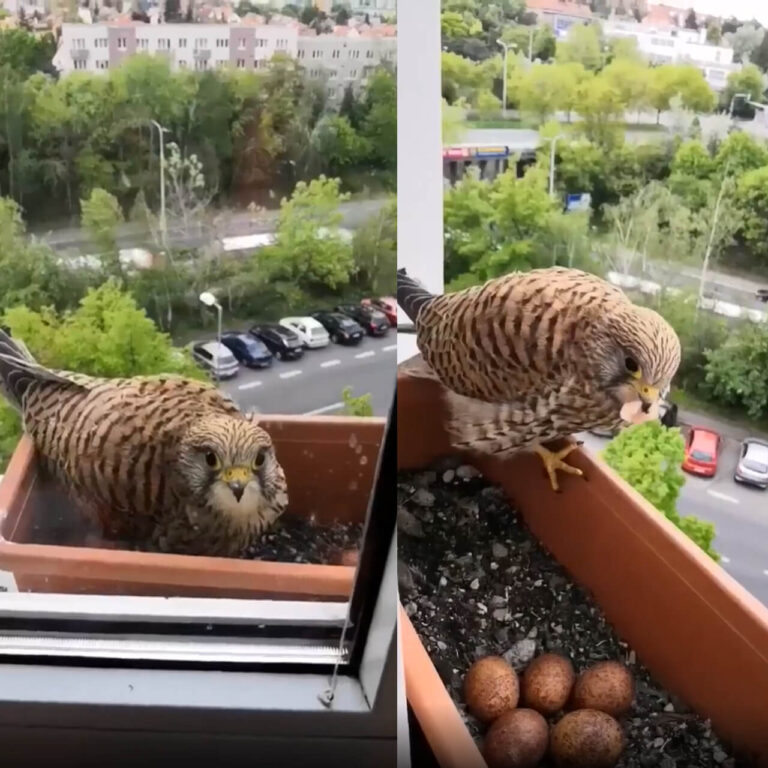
[(752, 201), (601, 108), (648, 456), (582, 45), (374, 251), (309, 253), (739, 152), (10, 432), (356, 406), (737, 371), (101, 216), (749, 80)]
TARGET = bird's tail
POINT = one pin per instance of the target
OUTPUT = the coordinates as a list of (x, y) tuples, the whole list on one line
[(411, 295), (19, 369)]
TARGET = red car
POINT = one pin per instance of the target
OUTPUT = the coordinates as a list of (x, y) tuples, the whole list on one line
[(385, 304), (701, 451)]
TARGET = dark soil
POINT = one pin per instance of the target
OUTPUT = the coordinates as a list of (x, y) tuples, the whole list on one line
[(475, 582), (294, 539)]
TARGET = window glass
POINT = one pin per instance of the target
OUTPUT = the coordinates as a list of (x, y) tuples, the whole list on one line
[(173, 470)]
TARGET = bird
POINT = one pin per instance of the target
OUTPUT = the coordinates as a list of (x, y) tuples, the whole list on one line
[(162, 462), (533, 357)]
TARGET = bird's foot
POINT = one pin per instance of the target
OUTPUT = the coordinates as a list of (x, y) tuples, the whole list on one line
[(554, 461)]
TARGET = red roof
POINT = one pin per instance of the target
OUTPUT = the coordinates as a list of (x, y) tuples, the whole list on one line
[(563, 7), (662, 16)]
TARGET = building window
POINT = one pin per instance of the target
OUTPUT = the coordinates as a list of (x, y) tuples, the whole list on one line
[(222, 42), (122, 43), (182, 64), (182, 42), (201, 64), (336, 53), (241, 63), (369, 54), (353, 73), (241, 43), (301, 53), (163, 44), (79, 64), (142, 43), (200, 43), (102, 64)]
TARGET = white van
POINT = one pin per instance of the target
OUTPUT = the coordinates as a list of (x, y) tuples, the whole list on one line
[(311, 333)]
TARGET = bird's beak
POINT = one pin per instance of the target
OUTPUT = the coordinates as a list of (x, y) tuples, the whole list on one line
[(237, 478), (648, 394)]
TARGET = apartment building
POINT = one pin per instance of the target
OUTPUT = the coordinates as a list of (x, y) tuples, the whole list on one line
[(375, 9), (561, 15), (347, 57), (99, 47), (678, 45)]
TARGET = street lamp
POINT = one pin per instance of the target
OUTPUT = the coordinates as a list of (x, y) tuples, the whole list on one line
[(209, 300), (553, 142), (506, 47), (163, 229)]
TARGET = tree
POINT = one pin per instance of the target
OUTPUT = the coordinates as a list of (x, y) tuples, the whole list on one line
[(571, 76), (752, 201), (186, 193), (631, 80), (374, 251), (582, 45), (714, 33), (487, 105), (172, 11), (760, 54), (310, 254), (747, 80), (338, 143), (688, 82), (648, 456), (690, 20), (356, 406), (737, 372), (625, 48), (739, 152), (351, 108), (101, 216), (453, 25), (744, 40), (601, 110), (691, 174), (544, 88), (380, 122)]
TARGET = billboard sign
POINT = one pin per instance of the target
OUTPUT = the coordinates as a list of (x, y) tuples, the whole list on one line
[(491, 152), (581, 201)]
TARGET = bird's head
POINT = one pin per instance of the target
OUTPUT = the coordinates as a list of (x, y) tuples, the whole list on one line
[(229, 465), (639, 354)]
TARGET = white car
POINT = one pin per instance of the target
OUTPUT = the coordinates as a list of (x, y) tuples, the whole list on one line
[(311, 333), (215, 358)]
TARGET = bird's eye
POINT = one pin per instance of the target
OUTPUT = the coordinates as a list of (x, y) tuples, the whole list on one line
[(258, 462), (632, 365), (211, 459)]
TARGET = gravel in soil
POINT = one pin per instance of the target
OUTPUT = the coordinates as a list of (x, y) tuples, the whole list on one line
[(293, 539), (476, 582)]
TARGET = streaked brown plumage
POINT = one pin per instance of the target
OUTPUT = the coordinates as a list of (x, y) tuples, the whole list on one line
[(532, 357), (164, 461)]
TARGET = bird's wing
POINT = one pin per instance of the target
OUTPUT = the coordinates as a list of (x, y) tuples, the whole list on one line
[(514, 335)]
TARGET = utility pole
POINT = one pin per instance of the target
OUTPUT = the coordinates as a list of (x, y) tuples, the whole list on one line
[(506, 47), (552, 144), (163, 227), (708, 252)]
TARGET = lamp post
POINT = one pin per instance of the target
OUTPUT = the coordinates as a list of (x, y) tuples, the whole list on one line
[(553, 142), (209, 300), (506, 47), (163, 229)]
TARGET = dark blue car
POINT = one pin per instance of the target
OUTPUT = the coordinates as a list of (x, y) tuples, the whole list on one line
[(247, 350)]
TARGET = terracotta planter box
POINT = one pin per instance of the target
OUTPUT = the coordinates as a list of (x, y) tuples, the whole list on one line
[(329, 464), (699, 633)]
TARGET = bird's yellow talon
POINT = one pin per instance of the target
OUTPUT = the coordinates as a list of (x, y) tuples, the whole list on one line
[(554, 461)]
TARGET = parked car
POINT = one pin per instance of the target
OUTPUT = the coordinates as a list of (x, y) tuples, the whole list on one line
[(385, 304), (701, 452), (216, 358), (279, 340), (247, 350), (752, 467), (341, 328), (309, 330), (373, 321)]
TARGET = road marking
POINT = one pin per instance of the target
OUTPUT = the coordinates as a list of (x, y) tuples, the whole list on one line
[(250, 385), (329, 363), (369, 353), (724, 559), (325, 409), (390, 348), (290, 374), (723, 496), (765, 573)]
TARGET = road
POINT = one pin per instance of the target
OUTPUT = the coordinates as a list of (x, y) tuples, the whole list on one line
[(231, 224), (313, 385), (740, 515)]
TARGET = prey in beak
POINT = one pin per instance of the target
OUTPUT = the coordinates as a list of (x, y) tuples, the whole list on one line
[(236, 478)]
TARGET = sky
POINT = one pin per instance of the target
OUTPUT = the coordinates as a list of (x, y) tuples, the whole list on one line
[(741, 9)]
